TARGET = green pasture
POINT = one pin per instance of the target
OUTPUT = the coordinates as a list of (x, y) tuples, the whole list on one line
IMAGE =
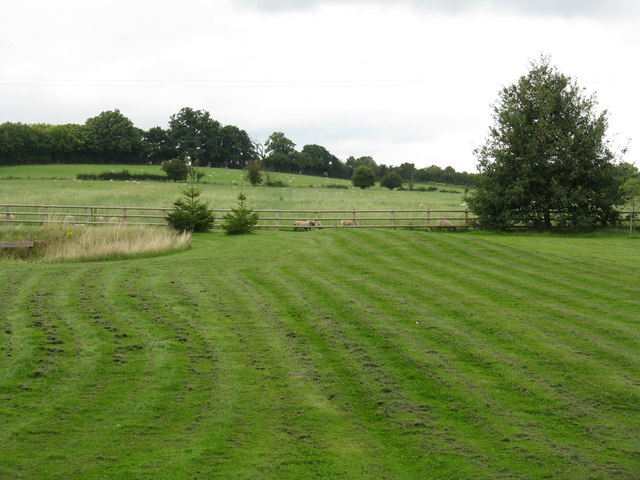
[(346, 354), (56, 184)]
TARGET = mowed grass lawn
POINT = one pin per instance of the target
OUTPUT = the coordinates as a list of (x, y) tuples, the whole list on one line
[(346, 354)]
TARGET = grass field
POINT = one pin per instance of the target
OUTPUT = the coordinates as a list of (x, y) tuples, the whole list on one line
[(350, 354), (55, 184)]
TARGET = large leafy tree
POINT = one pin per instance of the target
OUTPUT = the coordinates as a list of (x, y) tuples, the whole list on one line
[(113, 138), (321, 161), (195, 135), (236, 148), (281, 154), (66, 141), (546, 159), (158, 146), (17, 143)]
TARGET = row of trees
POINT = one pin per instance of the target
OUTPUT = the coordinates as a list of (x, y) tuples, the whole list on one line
[(279, 154), (112, 138)]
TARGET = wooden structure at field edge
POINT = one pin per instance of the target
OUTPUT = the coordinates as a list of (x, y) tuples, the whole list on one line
[(278, 219), (29, 244)]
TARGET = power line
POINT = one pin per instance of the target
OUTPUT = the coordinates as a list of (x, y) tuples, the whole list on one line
[(227, 83)]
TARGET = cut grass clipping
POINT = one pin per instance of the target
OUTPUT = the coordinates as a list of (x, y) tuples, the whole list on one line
[(64, 242)]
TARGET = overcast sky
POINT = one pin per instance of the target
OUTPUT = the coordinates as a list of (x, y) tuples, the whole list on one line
[(402, 81)]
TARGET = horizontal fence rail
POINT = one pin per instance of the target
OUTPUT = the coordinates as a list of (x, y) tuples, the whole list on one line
[(279, 219), (105, 215)]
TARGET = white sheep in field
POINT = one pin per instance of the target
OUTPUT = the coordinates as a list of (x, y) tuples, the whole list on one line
[(114, 220), (348, 223)]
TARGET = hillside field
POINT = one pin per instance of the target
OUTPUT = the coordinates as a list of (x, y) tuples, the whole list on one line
[(56, 184), (337, 353)]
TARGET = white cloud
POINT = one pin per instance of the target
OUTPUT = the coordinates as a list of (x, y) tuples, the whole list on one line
[(568, 8)]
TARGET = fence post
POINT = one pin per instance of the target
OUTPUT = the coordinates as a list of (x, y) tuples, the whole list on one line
[(124, 215), (393, 218), (46, 215)]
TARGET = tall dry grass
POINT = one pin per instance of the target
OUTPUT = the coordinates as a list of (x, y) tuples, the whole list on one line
[(64, 242)]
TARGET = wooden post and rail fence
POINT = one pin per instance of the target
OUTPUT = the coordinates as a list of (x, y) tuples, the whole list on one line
[(105, 215), (278, 219)]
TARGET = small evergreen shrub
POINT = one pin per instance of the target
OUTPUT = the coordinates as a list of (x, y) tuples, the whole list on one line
[(241, 219), (189, 213)]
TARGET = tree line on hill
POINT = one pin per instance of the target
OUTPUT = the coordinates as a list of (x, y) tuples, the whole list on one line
[(112, 138)]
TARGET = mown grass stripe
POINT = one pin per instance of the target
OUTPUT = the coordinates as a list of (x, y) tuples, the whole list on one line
[(320, 275), (419, 363), (296, 422), (618, 380), (366, 353), (346, 442), (521, 289)]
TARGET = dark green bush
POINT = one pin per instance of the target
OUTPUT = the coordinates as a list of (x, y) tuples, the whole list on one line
[(254, 174), (363, 177), (176, 169), (337, 186), (391, 180), (122, 175), (276, 184)]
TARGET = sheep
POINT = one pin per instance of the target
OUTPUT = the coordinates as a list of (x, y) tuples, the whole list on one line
[(68, 218), (441, 223), (348, 223), (306, 224), (114, 220), (303, 224)]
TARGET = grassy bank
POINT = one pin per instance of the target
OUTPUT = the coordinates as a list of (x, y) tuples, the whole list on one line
[(327, 354)]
